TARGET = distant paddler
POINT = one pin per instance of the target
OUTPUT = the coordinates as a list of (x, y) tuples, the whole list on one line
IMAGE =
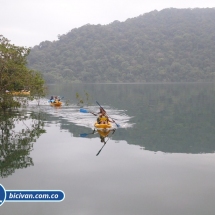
[(55, 101)]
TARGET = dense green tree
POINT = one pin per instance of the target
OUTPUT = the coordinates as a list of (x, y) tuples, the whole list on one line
[(170, 45), (15, 76)]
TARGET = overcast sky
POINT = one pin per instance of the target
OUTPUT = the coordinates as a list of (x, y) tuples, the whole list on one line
[(29, 22)]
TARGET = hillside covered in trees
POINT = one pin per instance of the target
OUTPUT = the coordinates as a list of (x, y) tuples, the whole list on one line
[(172, 45)]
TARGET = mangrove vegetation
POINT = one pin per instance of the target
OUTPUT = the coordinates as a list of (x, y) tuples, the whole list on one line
[(16, 79)]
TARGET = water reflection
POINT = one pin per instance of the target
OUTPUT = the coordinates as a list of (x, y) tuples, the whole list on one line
[(103, 134), (18, 132), (184, 132), (172, 118)]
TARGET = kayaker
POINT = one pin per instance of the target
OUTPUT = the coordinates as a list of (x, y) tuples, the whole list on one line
[(51, 99), (101, 111), (103, 118), (56, 99)]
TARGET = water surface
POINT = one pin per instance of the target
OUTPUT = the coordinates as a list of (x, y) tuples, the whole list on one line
[(160, 161)]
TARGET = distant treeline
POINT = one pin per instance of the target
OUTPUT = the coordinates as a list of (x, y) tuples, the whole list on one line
[(173, 45)]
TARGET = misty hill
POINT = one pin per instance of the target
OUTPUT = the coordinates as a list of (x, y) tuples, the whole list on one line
[(172, 45)]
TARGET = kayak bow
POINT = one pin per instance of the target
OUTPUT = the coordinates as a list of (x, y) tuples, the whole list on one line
[(97, 125), (56, 104)]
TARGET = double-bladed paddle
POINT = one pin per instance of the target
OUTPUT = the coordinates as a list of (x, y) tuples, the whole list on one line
[(86, 134), (82, 110), (101, 149), (105, 143)]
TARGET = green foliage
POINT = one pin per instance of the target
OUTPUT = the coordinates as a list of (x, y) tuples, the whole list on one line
[(16, 145), (83, 100), (15, 76), (172, 45)]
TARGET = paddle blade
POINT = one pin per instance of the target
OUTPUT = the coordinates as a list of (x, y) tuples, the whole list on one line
[(117, 125), (83, 110), (83, 135)]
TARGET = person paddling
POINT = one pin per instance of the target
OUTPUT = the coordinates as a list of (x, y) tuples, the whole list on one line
[(103, 118), (51, 99), (101, 111), (56, 99)]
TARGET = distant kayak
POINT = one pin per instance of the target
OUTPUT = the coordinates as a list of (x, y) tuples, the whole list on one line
[(20, 93), (108, 125), (56, 103)]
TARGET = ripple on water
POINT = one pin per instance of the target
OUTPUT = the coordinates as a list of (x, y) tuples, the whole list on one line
[(72, 114)]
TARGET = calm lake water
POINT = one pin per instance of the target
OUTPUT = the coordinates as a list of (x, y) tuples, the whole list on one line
[(160, 161)]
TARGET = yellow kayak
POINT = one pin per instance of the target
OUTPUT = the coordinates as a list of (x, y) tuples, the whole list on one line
[(97, 125), (56, 104), (20, 93), (104, 133)]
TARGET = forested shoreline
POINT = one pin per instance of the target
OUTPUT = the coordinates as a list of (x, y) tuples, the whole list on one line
[(172, 45)]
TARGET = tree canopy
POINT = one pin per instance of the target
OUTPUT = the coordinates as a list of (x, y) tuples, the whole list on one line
[(172, 45), (14, 74)]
